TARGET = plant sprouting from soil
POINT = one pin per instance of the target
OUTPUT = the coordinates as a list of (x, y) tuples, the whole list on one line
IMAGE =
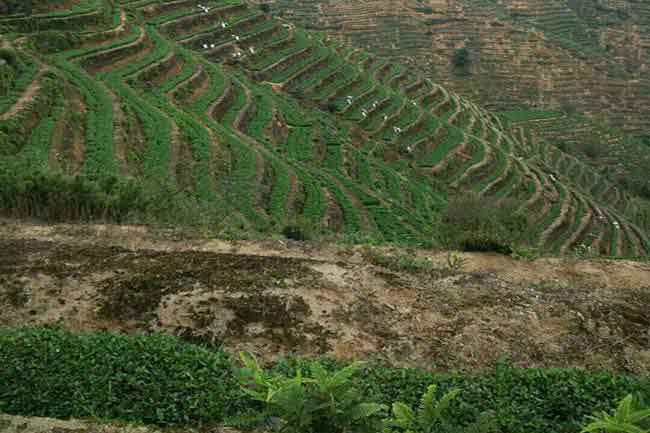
[(323, 401)]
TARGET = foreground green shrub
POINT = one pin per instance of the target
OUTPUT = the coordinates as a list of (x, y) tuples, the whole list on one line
[(152, 379), (521, 400), (161, 380), (322, 402)]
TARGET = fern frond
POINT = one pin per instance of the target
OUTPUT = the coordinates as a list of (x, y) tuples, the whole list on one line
[(445, 401), (345, 374), (366, 410), (321, 378), (624, 408), (403, 416), (612, 427), (433, 410), (429, 397), (639, 416)]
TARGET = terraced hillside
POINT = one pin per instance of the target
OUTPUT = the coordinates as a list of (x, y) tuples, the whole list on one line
[(585, 55), (256, 124)]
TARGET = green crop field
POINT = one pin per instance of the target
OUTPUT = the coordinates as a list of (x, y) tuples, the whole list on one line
[(247, 123)]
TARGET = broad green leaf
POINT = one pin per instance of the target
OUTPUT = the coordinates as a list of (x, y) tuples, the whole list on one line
[(403, 415), (366, 410), (638, 416)]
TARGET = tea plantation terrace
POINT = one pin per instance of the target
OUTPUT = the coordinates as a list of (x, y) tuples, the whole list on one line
[(218, 104)]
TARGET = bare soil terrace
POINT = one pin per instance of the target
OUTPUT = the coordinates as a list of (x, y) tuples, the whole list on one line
[(274, 297)]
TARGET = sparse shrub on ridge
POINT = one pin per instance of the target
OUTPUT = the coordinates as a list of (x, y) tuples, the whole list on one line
[(9, 56), (461, 61), (300, 230), (473, 223)]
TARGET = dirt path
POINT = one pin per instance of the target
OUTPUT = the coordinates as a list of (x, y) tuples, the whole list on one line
[(276, 297), (19, 424)]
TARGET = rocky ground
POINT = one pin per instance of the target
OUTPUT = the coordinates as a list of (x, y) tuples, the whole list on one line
[(274, 298), (19, 424)]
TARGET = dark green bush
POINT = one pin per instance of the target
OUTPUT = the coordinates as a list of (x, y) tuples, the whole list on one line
[(58, 197), (473, 223), (265, 7), (299, 230), (52, 41), (461, 61), (153, 379), (55, 197), (9, 56), (484, 243)]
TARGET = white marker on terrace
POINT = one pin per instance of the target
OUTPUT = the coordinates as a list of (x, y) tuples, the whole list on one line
[(205, 46), (236, 37)]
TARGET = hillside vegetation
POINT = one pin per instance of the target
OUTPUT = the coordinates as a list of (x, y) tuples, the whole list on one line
[(589, 55), (585, 61), (238, 122)]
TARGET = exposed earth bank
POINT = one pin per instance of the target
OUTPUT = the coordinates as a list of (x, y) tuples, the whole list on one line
[(19, 424), (276, 297)]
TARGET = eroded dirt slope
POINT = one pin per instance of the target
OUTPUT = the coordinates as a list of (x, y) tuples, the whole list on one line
[(19, 424), (273, 298)]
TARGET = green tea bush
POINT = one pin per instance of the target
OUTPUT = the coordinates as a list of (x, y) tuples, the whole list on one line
[(161, 380), (519, 400), (153, 379)]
